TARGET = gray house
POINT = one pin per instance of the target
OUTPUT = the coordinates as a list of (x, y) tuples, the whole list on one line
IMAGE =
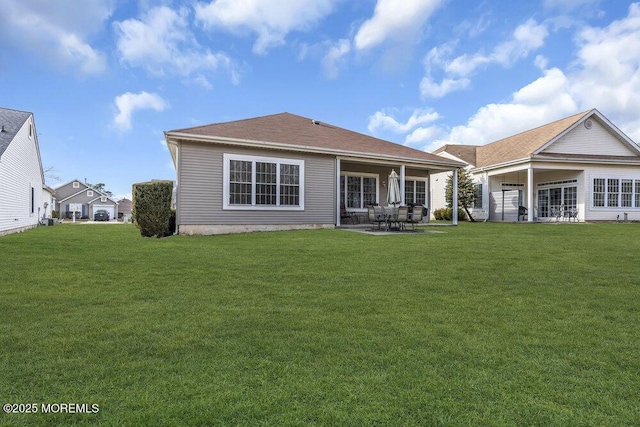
[(76, 196), (284, 171)]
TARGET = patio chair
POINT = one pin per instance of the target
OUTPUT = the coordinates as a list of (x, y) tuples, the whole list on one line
[(346, 215), (522, 212), (572, 214), (403, 217), (376, 214), (416, 216)]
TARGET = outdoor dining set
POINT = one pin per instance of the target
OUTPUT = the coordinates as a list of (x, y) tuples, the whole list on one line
[(395, 218)]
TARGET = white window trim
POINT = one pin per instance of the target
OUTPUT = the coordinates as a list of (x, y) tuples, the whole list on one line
[(76, 184), (103, 199), (426, 186), (227, 158), (607, 177), (89, 193), (360, 175)]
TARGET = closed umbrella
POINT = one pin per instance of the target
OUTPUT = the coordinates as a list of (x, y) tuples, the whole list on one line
[(393, 191)]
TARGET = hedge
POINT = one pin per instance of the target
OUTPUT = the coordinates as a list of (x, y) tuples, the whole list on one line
[(151, 208)]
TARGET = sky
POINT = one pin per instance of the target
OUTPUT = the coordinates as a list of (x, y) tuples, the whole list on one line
[(106, 78)]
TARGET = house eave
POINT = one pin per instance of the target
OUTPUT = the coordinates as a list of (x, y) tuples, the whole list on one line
[(173, 139), (559, 159)]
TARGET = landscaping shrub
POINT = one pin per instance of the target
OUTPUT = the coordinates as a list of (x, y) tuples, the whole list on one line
[(151, 208), (446, 214), (54, 214)]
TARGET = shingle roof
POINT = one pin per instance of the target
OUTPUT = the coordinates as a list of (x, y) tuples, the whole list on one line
[(516, 147), (466, 153), (523, 145), (295, 132), (11, 121)]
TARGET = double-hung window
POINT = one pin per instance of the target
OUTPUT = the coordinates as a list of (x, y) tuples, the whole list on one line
[(415, 191), (615, 192), (252, 182)]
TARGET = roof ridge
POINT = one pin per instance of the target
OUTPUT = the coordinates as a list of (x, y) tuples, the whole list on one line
[(17, 111), (235, 121)]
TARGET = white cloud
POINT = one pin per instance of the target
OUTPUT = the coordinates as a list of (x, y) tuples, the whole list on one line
[(431, 89), (525, 39), (608, 67), (50, 30), (384, 121), (422, 135), (128, 103), (546, 99), (334, 58), (162, 43), (271, 20), (401, 23)]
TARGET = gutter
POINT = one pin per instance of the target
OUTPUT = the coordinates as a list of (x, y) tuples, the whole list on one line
[(172, 139)]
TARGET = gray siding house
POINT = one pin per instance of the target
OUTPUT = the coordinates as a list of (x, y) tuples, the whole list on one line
[(285, 171), (76, 196)]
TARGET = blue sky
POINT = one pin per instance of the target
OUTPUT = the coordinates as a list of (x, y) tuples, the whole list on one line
[(106, 78)]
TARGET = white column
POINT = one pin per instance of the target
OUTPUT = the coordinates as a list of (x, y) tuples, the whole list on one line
[(402, 172), (337, 191), (530, 193), (455, 198)]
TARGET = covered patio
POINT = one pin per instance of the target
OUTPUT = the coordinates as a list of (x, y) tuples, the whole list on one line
[(362, 182)]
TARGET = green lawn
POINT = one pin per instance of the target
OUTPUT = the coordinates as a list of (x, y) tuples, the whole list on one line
[(486, 324)]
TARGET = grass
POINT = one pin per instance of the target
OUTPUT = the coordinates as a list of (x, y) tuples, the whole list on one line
[(487, 324)]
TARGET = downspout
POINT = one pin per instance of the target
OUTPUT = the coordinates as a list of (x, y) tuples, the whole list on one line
[(337, 192), (455, 198), (530, 193), (402, 177)]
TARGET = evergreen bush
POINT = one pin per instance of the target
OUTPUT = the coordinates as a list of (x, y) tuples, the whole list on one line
[(151, 208)]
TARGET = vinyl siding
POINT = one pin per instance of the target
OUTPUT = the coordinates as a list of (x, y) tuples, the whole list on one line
[(20, 170), (608, 213), (200, 188), (594, 141)]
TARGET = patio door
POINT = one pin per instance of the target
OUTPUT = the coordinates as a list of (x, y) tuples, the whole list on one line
[(556, 198)]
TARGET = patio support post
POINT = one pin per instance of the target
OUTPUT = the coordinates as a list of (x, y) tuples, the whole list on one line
[(530, 194), (337, 192), (402, 172), (454, 203)]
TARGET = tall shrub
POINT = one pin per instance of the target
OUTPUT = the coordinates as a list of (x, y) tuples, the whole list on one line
[(151, 208), (466, 192)]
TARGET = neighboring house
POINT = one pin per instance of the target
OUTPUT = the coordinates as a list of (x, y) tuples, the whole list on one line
[(22, 191), (76, 196), (581, 164), (284, 171), (124, 209)]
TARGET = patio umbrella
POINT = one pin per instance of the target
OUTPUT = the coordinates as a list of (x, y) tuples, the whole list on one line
[(393, 190)]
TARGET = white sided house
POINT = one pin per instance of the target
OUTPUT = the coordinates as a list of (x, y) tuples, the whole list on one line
[(24, 199), (284, 171), (580, 168)]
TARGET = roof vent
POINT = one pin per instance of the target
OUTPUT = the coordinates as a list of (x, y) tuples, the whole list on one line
[(2, 129), (588, 124), (315, 122)]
